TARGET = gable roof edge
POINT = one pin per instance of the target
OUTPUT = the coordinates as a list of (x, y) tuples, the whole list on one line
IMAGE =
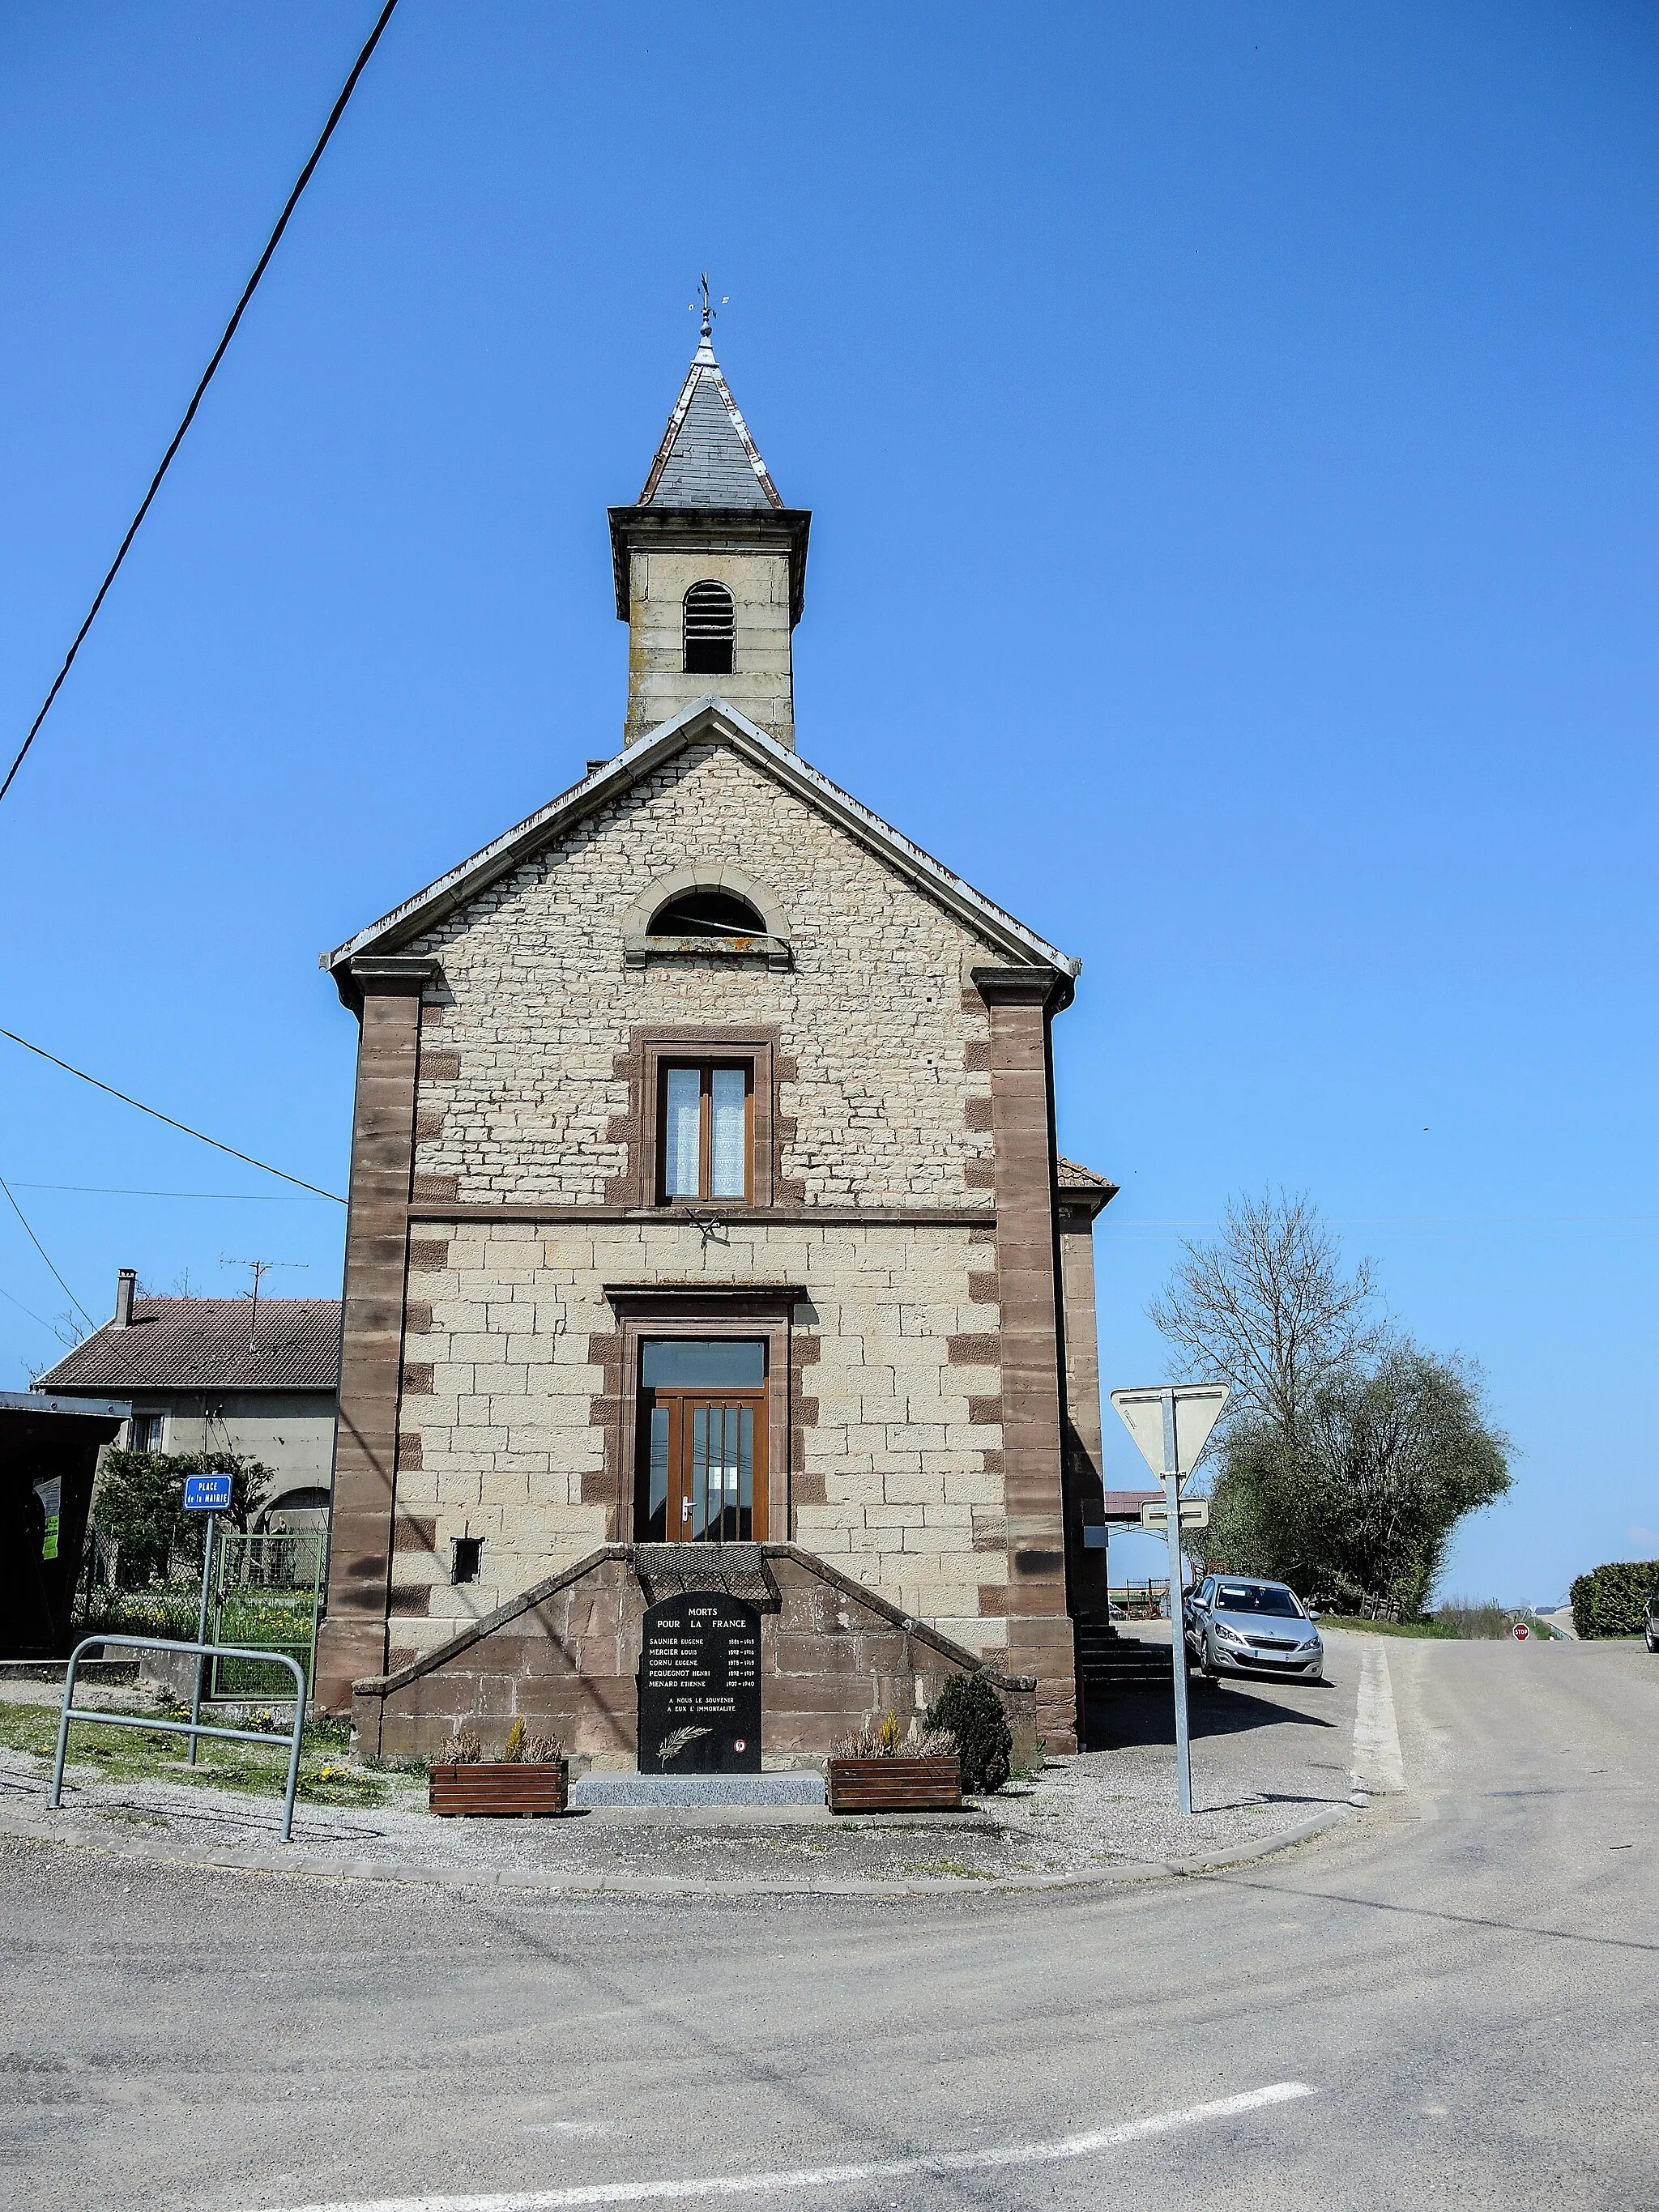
[(453, 889)]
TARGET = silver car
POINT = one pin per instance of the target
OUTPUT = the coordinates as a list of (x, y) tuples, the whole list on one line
[(1238, 1624)]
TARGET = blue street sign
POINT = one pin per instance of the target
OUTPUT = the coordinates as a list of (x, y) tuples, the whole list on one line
[(207, 1493)]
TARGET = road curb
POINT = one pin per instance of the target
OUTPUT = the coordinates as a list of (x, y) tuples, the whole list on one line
[(69, 1831)]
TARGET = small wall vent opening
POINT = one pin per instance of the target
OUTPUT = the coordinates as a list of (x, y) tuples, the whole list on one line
[(465, 1557), (711, 630)]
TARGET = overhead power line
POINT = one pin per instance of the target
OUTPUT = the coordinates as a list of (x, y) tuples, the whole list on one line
[(208, 374), (46, 1256), (155, 1115)]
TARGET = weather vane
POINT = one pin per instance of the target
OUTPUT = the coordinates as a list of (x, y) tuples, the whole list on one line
[(709, 309)]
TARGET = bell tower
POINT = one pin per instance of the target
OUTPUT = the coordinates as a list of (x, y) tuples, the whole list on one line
[(710, 566)]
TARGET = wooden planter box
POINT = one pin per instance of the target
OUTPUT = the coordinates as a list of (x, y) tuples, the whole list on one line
[(499, 1789), (895, 1785)]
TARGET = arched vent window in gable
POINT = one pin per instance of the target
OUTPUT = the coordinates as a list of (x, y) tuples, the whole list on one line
[(711, 630), (707, 913)]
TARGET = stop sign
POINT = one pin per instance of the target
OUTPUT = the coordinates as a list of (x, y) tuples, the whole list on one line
[(1521, 1632)]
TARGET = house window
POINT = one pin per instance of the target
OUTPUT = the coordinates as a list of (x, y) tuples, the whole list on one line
[(149, 1432), (711, 630), (706, 1117), (465, 1557)]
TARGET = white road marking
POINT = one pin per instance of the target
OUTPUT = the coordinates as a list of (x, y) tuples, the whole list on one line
[(939, 2163), (1378, 1769)]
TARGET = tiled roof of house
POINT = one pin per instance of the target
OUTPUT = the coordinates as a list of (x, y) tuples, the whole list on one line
[(1076, 1177), (707, 457), (202, 1344)]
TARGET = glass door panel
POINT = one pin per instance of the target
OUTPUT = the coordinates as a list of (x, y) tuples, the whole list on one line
[(705, 1465)]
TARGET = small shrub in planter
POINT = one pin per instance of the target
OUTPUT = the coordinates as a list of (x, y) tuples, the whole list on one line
[(528, 1780), (968, 1714), (875, 1771)]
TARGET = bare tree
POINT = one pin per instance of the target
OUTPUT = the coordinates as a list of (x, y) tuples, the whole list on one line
[(1268, 1308)]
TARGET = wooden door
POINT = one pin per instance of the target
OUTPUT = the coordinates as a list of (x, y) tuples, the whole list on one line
[(705, 1475)]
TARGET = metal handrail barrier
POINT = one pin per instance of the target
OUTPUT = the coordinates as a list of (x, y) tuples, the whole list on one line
[(192, 1728)]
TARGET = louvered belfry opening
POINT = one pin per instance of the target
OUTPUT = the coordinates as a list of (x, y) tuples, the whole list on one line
[(711, 630)]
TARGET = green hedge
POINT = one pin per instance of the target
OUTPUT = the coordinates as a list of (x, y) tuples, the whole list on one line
[(1609, 1601)]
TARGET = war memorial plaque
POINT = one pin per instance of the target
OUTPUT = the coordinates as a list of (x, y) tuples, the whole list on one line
[(699, 1708)]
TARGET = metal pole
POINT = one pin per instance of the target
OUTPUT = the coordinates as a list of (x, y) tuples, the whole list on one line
[(201, 1634), (1177, 1622), (57, 1797)]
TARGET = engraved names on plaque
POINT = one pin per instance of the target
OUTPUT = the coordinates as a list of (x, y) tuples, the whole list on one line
[(700, 1706)]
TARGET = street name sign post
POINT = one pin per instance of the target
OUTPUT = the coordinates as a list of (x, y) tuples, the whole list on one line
[(1195, 1514), (208, 1494), (1171, 1423)]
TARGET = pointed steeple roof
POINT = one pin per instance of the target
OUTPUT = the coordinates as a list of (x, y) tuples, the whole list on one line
[(707, 457)]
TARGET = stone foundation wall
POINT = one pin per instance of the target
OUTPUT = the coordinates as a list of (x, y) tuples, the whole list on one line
[(565, 1656)]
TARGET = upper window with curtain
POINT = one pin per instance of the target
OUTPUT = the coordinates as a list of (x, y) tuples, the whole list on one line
[(706, 1117)]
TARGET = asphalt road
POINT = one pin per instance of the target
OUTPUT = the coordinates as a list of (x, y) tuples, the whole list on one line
[(1465, 1981)]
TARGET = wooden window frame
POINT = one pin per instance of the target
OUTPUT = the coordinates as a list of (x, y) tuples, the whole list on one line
[(737, 1310), (640, 1183), (676, 1400), (705, 1194)]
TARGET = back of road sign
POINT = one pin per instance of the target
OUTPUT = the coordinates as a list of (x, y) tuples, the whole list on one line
[(1197, 1409), (207, 1493), (1195, 1514)]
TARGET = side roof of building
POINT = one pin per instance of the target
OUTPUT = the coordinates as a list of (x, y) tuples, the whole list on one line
[(204, 1344)]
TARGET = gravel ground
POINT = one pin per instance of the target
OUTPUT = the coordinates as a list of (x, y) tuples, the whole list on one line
[(1267, 1760)]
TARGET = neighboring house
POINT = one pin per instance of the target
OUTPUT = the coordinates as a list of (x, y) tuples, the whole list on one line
[(707, 1231), (207, 1374)]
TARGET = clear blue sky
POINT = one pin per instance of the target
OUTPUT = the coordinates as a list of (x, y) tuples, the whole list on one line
[(1231, 435)]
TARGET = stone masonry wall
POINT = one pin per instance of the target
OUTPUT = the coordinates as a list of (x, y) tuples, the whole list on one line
[(900, 1484), (520, 1091), (565, 1660), (761, 683)]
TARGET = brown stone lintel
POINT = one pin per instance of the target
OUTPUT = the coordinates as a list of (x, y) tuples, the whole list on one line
[(430, 1208), (746, 1301)]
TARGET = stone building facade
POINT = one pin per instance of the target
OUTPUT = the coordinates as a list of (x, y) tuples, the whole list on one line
[(704, 1196)]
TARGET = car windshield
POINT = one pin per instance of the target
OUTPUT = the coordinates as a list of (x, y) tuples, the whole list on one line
[(1257, 1597)]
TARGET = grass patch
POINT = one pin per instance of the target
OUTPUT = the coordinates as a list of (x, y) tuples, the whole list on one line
[(951, 1867), (326, 1777), (1357, 1625)]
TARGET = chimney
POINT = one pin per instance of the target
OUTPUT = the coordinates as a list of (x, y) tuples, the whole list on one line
[(126, 1282)]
